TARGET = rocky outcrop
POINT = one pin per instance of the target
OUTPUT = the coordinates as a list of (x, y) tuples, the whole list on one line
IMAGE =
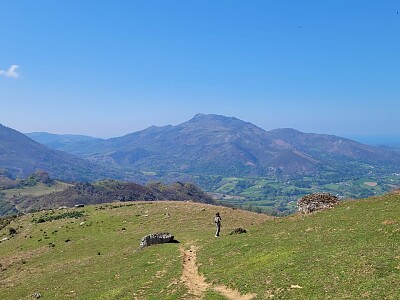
[(156, 238), (238, 231), (316, 201)]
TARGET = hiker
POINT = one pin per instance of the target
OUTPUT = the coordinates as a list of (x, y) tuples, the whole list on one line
[(217, 221)]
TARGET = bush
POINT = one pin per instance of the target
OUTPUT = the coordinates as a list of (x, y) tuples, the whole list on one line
[(75, 214), (12, 231)]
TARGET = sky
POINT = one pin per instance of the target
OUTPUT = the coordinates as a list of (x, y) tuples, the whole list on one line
[(108, 68)]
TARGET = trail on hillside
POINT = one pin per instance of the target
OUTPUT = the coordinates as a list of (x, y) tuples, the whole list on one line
[(196, 283), (193, 280)]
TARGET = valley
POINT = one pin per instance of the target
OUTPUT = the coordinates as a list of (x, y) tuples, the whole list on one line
[(278, 196), (241, 164)]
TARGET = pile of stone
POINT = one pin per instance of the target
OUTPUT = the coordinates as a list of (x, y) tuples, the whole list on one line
[(316, 201), (238, 231), (156, 238)]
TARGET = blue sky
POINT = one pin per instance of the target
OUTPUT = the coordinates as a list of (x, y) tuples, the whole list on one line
[(108, 68)]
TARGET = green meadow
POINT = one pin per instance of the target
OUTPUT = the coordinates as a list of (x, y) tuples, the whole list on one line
[(349, 252)]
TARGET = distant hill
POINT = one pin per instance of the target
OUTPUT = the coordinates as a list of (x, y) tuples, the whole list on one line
[(38, 191), (227, 146), (329, 149), (21, 156), (16, 192), (62, 142), (397, 145), (107, 191)]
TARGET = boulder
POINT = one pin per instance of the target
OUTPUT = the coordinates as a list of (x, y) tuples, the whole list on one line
[(156, 238)]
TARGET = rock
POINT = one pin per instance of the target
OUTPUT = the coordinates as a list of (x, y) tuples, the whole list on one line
[(295, 286), (156, 238), (238, 231), (316, 201)]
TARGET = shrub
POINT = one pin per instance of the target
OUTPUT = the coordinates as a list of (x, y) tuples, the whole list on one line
[(74, 214), (12, 231)]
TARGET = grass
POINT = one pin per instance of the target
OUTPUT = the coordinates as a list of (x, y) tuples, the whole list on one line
[(38, 189), (349, 252), (100, 258), (14, 197)]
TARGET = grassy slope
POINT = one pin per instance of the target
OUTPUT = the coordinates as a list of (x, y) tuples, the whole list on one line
[(349, 252), (39, 189), (14, 196)]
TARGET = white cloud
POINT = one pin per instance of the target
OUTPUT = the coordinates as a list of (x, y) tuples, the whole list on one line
[(12, 73)]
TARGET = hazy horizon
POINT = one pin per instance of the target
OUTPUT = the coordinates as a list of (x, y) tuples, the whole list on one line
[(109, 69)]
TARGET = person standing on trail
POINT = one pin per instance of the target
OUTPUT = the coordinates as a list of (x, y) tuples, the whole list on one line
[(217, 221)]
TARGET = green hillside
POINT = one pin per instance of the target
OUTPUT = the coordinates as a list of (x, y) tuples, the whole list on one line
[(38, 192), (349, 252)]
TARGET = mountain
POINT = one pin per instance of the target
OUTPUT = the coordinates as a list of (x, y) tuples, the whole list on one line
[(227, 146), (21, 156), (62, 142), (330, 148)]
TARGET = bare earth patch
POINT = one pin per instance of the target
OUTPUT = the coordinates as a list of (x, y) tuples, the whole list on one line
[(232, 294), (389, 222), (196, 283)]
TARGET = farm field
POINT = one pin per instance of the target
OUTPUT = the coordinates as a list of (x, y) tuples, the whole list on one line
[(278, 196)]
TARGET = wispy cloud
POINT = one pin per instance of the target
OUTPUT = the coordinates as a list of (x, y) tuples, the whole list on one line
[(11, 72)]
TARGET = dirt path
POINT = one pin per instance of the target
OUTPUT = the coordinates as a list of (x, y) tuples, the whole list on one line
[(232, 294), (196, 283)]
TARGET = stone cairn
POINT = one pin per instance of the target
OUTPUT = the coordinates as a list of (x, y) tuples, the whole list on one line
[(156, 238), (316, 201)]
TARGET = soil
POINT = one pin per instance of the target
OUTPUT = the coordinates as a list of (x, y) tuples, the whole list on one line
[(196, 282)]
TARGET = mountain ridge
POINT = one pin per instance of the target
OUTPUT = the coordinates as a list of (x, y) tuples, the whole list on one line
[(220, 145), (22, 156)]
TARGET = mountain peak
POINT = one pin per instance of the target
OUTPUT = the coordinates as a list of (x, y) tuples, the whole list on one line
[(213, 117)]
